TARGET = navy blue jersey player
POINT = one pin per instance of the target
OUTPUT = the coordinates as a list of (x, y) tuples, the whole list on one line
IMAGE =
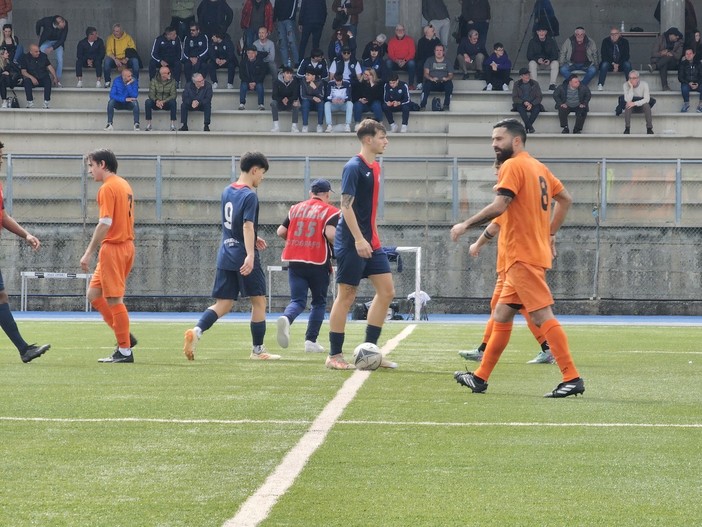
[(239, 270), (357, 245)]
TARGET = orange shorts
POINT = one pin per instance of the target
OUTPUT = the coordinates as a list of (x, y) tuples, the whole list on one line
[(499, 284), (115, 261), (526, 284)]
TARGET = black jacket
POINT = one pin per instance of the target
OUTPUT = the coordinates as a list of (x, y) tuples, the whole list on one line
[(96, 52), (689, 72), (46, 31), (252, 71), (607, 49), (214, 16), (543, 50)]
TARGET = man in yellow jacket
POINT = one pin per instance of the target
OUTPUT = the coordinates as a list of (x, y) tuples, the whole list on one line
[(116, 54)]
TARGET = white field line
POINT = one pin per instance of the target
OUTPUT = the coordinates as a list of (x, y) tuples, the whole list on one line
[(516, 424), (257, 507)]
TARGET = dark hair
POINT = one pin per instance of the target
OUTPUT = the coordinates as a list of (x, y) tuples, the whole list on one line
[(169, 29), (2, 145), (338, 76), (288, 69), (194, 25), (514, 128), (104, 155), (253, 159), (219, 35), (369, 127), (7, 26), (90, 30), (394, 76), (498, 45), (317, 53)]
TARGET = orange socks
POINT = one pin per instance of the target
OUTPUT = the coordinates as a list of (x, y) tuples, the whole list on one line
[(499, 339), (100, 304), (558, 341), (120, 321), (535, 330), (488, 330)]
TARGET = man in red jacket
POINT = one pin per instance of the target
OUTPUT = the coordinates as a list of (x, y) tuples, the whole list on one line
[(401, 51)]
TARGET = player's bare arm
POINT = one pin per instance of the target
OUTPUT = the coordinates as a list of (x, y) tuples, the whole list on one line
[(492, 211), (99, 234), (363, 247), (563, 202), (9, 223), (250, 245), (485, 237)]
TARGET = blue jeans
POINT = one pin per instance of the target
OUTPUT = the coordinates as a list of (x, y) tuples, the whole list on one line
[(316, 279), (375, 107), (388, 111), (330, 107), (113, 105), (590, 71), (109, 64), (685, 91), (409, 66), (309, 104), (244, 88), (606, 67), (287, 41), (59, 55), (430, 86)]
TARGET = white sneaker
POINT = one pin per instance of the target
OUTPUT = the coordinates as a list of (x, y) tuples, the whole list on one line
[(313, 347), (4, 103), (419, 86), (98, 84), (107, 84), (347, 128), (260, 353), (261, 107), (393, 127), (505, 87), (403, 130), (109, 127), (283, 336), (242, 106), (214, 85), (46, 105), (305, 129), (79, 84), (329, 129), (136, 127), (59, 85), (600, 87), (294, 129), (230, 86), (488, 87), (30, 104), (320, 128), (276, 127)]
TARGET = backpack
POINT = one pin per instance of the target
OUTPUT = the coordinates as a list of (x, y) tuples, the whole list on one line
[(436, 105)]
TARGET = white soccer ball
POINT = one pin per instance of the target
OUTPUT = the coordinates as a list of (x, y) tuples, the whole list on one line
[(367, 356)]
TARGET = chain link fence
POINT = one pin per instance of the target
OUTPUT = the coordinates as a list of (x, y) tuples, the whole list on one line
[(633, 232)]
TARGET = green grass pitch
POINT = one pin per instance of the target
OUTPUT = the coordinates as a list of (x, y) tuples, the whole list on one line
[(167, 442)]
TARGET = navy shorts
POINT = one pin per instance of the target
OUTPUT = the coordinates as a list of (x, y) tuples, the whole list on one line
[(229, 285), (351, 268)]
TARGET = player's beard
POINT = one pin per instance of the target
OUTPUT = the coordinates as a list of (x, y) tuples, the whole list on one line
[(503, 155)]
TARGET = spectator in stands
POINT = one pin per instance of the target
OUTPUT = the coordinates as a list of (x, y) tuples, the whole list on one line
[(579, 52), (338, 98), (52, 32), (690, 17), (471, 55), (195, 52), (376, 63), (572, 96), (437, 16), (496, 69), (123, 96), (425, 49), (368, 97), (690, 77), (116, 47), (545, 17), (637, 98), (214, 16), (166, 51), (256, 14), (162, 96), (696, 44), (437, 77), (182, 15), (341, 39), (284, 12), (266, 51), (396, 98), (197, 97), (5, 13), (252, 72), (37, 71), (615, 56), (312, 98), (401, 52), (476, 14), (348, 66), (11, 43), (90, 53), (348, 10), (527, 97), (222, 55), (285, 97), (381, 42), (542, 53), (317, 62), (666, 54), (10, 75), (312, 17)]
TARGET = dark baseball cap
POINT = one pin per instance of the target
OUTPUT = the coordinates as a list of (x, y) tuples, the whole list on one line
[(320, 185), (524, 71)]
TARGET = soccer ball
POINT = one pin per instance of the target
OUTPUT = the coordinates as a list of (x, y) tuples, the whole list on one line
[(367, 356)]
